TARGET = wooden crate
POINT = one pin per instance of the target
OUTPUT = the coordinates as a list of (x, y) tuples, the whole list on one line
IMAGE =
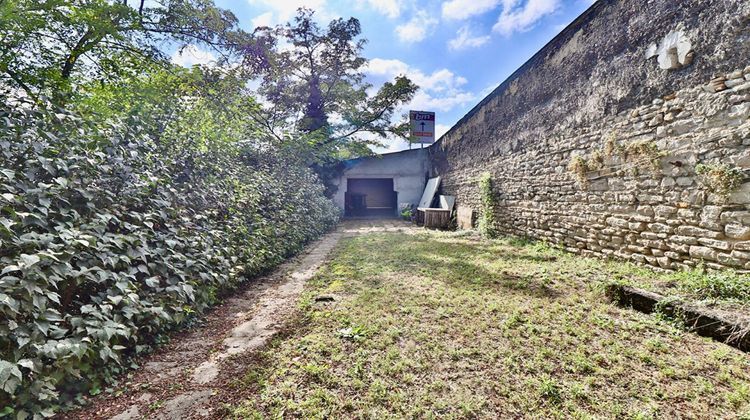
[(437, 218)]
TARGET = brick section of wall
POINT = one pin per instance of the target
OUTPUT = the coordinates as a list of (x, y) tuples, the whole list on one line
[(593, 84)]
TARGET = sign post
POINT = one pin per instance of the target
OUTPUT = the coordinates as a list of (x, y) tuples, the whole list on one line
[(422, 125)]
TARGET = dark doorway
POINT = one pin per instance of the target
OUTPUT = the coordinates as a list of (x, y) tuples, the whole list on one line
[(370, 197)]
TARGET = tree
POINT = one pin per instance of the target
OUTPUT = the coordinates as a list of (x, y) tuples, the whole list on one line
[(48, 46), (119, 227), (315, 83)]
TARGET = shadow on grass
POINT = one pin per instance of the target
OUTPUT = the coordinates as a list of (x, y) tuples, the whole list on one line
[(459, 265)]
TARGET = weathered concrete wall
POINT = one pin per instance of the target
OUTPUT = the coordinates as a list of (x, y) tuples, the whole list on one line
[(592, 92), (408, 169)]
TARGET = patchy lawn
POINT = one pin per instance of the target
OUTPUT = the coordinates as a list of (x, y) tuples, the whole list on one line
[(441, 325), (725, 290)]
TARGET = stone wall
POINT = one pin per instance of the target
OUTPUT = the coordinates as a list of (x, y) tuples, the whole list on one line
[(643, 92)]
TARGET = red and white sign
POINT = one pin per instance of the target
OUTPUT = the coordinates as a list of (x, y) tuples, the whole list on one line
[(422, 127)]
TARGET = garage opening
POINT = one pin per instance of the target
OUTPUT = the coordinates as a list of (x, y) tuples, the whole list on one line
[(370, 197)]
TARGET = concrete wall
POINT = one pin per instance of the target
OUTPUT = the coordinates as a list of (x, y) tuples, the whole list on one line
[(407, 168), (642, 122)]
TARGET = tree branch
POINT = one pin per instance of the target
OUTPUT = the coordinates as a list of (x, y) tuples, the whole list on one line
[(17, 78), (361, 126), (84, 45)]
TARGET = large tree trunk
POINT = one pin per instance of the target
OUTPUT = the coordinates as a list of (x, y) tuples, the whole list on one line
[(315, 116)]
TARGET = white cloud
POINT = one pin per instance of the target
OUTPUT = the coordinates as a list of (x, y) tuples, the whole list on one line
[(463, 9), (416, 29), (517, 17), (266, 19), (390, 8), (385, 67), (441, 90), (441, 129), (464, 39), (559, 27), (151, 4), (426, 101), (284, 10), (192, 55), (439, 80), (395, 145)]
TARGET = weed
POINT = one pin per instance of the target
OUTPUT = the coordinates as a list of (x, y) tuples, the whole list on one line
[(549, 390), (739, 395), (639, 155), (582, 364), (719, 178), (579, 392), (518, 241), (316, 372), (579, 167), (596, 162), (354, 333), (487, 222), (514, 320), (727, 285), (655, 344), (611, 147), (643, 154), (255, 378), (457, 328), (378, 392)]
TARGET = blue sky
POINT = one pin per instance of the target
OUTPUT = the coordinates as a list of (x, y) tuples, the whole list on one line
[(456, 50)]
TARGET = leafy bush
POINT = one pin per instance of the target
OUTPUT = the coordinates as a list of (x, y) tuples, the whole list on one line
[(110, 237)]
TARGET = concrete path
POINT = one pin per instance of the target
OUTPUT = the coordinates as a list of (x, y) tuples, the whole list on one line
[(184, 379)]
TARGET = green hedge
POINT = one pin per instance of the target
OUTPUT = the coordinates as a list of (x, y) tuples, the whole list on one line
[(109, 239)]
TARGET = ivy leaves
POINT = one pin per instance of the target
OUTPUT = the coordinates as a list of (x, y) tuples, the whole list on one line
[(487, 222), (10, 376), (109, 244)]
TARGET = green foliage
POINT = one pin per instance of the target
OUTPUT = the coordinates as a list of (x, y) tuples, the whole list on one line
[(719, 178), (407, 213), (49, 47), (643, 154), (315, 79), (134, 193), (487, 223), (636, 156), (579, 167), (549, 390), (611, 147), (725, 285), (111, 237)]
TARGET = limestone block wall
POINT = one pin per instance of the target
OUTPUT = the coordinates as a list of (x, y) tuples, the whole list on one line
[(644, 123)]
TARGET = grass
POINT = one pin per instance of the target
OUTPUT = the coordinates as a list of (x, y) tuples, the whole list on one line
[(715, 285), (722, 289), (440, 325)]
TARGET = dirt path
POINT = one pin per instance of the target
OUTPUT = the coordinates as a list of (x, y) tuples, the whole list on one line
[(191, 376)]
